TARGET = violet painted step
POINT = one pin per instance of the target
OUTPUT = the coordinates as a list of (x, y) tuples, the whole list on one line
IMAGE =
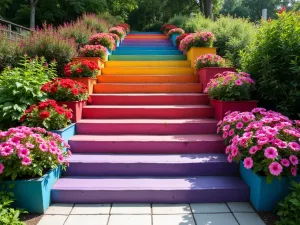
[(145, 111), (151, 165), (146, 126), (147, 144), (150, 190)]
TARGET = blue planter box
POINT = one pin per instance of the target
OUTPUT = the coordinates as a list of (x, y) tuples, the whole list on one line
[(118, 43), (264, 196), (67, 132), (173, 38), (33, 195)]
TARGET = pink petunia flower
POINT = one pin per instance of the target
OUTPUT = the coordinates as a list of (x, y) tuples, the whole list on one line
[(43, 147), (248, 163), (23, 152), (7, 151), (239, 125), (1, 168), (271, 153), (253, 150), (285, 162), (294, 171), (231, 132), (29, 145), (225, 134), (229, 158), (294, 146), (275, 168), (294, 160), (281, 144), (238, 82), (26, 161)]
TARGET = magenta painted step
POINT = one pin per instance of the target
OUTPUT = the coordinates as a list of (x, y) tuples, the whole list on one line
[(150, 99), (150, 190), (147, 144), (146, 126), (147, 44), (147, 112), (151, 165)]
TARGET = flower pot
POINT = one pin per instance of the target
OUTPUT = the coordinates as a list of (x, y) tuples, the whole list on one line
[(221, 107), (207, 73), (96, 60), (67, 132), (33, 195), (264, 196), (88, 81), (173, 38), (195, 52), (76, 107), (118, 43)]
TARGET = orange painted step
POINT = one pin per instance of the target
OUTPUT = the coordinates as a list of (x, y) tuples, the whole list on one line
[(147, 71), (147, 88), (147, 79)]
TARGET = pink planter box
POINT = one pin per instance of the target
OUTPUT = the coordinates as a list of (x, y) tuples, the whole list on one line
[(207, 73), (221, 107), (76, 108)]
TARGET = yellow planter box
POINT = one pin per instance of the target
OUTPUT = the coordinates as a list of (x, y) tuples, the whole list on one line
[(195, 52)]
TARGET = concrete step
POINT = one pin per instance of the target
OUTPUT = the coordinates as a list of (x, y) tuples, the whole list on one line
[(172, 63), (146, 57), (147, 79), (147, 71)]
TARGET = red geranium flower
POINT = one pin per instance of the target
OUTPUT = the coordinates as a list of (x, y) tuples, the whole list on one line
[(68, 114), (59, 110), (44, 115)]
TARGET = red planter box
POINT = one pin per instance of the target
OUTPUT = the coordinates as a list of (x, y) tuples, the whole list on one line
[(76, 108), (89, 82), (207, 73), (221, 107)]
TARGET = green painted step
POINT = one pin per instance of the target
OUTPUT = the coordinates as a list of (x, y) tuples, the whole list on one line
[(145, 57)]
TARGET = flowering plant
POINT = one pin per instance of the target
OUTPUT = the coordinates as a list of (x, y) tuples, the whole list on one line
[(48, 115), (115, 36), (168, 28), (120, 31), (180, 38), (125, 26), (83, 68), (200, 39), (66, 90), (266, 141), (93, 51), (230, 86), (209, 60), (104, 40), (175, 31), (30, 152), (164, 26)]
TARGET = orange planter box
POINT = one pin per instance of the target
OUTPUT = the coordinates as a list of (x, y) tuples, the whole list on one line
[(89, 82), (96, 60)]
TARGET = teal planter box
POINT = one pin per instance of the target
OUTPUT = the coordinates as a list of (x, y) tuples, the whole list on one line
[(173, 38), (264, 196), (33, 195), (118, 43), (109, 52), (67, 132)]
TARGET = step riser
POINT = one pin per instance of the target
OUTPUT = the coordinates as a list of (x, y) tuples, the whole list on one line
[(157, 44), (151, 196), (145, 129), (152, 169), (146, 52), (147, 79), (147, 71), (147, 40), (148, 64), (150, 100), (146, 58), (147, 48)]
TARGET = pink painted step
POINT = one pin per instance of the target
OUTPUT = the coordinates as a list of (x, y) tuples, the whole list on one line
[(146, 126), (145, 111), (147, 144), (150, 99)]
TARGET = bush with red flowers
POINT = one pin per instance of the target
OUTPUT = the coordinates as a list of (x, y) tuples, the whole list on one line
[(175, 31), (125, 26), (48, 115), (168, 28), (180, 38), (115, 36), (83, 68), (66, 90), (103, 39), (93, 51), (120, 31), (162, 29)]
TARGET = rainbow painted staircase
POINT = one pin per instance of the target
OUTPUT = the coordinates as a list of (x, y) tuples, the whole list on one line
[(149, 135)]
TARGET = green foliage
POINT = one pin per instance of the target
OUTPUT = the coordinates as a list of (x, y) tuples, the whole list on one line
[(179, 21), (8, 52), (95, 23), (273, 59), (288, 209), (20, 88)]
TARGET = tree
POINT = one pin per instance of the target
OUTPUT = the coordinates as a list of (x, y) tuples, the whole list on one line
[(32, 4)]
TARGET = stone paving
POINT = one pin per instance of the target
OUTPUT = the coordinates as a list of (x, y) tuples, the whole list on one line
[(232, 213)]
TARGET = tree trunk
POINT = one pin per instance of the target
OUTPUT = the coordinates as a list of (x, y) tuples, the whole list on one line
[(32, 13), (205, 8), (201, 6), (208, 9)]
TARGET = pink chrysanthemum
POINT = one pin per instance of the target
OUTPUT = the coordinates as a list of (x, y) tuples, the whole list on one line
[(248, 163), (271, 153), (275, 168)]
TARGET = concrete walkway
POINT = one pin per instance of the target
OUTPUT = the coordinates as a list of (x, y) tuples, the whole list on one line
[(152, 214)]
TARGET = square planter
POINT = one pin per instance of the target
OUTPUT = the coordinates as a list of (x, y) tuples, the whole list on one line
[(207, 73), (96, 60), (195, 52), (109, 52), (221, 107), (76, 107), (264, 196), (66, 133), (173, 38), (33, 195), (118, 43), (89, 82)]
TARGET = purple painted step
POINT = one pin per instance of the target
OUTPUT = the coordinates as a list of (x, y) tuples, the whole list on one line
[(151, 165), (147, 144), (151, 189), (146, 126)]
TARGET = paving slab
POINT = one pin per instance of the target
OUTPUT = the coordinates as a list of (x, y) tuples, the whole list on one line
[(53, 219), (131, 209), (90, 209), (248, 219), (210, 208), (130, 220), (87, 219), (59, 209), (215, 219), (171, 209), (178, 219), (240, 207)]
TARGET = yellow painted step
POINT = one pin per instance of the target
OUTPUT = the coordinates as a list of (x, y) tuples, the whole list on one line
[(178, 63), (147, 71), (147, 79)]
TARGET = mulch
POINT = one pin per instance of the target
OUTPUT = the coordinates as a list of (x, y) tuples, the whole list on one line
[(31, 219), (268, 217)]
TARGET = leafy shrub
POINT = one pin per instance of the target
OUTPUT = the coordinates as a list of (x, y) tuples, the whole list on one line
[(104, 40), (120, 31), (109, 19), (274, 60), (209, 60), (93, 22), (200, 39), (66, 90), (152, 27), (20, 88), (230, 86), (180, 38), (48, 115), (48, 43), (197, 23), (9, 54), (266, 141), (83, 68), (179, 21), (175, 31), (30, 152), (93, 51), (288, 209)]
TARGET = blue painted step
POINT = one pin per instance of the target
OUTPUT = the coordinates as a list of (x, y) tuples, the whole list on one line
[(147, 52)]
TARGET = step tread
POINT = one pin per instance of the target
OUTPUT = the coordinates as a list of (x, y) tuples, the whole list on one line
[(148, 106), (150, 183), (149, 94)]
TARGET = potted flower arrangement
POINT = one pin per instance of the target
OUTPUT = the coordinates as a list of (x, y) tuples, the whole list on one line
[(180, 38), (208, 66), (31, 160), (174, 33), (120, 31), (267, 145), (166, 28), (117, 39), (125, 26), (83, 71), (230, 91), (93, 53), (68, 92), (197, 44), (105, 40)]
